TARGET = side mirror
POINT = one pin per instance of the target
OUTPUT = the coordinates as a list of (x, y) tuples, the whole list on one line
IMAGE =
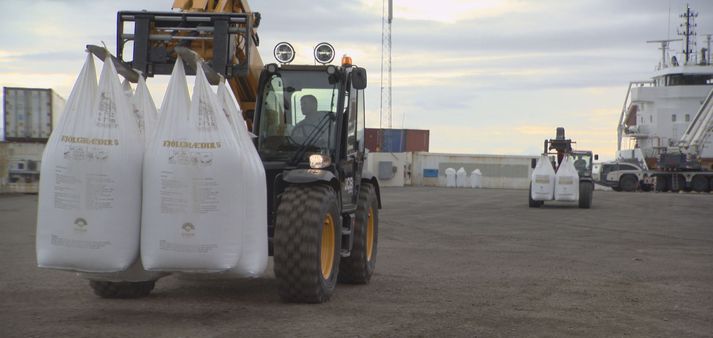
[(596, 157), (359, 78), (533, 163)]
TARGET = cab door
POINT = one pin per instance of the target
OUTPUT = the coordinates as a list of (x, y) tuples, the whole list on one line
[(350, 163)]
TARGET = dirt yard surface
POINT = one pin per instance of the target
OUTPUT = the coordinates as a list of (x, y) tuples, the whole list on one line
[(451, 262)]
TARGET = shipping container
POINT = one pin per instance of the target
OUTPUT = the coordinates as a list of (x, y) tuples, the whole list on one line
[(417, 140), (371, 139), (30, 113), (20, 166), (394, 141)]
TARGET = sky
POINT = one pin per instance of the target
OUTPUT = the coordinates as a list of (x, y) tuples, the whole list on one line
[(484, 76)]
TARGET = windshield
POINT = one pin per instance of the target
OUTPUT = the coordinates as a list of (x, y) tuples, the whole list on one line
[(298, 115), (582, 162)]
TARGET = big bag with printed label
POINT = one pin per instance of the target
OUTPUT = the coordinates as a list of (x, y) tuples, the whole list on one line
[(193, 184), (89, 209), (567, 181), (543, 180)]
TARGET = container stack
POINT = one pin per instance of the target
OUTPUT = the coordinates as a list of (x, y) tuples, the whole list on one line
[(30, 115), (397, 140)]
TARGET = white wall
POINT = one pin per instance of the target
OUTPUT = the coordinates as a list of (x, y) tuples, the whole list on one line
[(499, 171), (401, 161)]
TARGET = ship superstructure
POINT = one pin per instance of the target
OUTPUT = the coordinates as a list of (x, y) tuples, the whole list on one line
[(656, 113)]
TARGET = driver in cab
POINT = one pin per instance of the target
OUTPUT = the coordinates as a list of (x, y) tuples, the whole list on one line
[(304, 129)]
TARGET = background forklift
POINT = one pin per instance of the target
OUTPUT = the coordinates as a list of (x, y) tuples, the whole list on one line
[(582, 160), (323, 209)]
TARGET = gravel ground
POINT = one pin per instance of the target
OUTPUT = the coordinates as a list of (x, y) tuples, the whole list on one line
[(450, 263)]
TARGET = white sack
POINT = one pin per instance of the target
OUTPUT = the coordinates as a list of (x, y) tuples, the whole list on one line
[(135, 273), (450, 177), (543, 180), (567, 181), (89, 207), (476, 178), (144, 110), (461, 178), (253, 260), (192, 215), (126, 87)]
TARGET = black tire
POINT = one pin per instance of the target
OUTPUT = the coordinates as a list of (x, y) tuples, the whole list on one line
[(359, 266), (617, 189), (586, 192), (681, 182), (662, 184), (629, 183), (532, 203), (122, 290), (303, 214), (699, 183)]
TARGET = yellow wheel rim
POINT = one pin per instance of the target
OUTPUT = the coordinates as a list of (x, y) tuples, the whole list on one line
[(327, 252), (370, 235)]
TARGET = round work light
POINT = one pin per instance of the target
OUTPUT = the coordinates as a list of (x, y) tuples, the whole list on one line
[(324, 53), (284, 53)]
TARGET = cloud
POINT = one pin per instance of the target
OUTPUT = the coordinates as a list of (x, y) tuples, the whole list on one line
[(486, 76)]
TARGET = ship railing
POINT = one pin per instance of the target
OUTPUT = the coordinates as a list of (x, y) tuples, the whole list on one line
[(624, 116)]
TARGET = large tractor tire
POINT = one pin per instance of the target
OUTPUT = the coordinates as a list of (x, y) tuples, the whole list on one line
[(308, 232), (359, 266), (661, 184), (699, 183), (679, 185), (532, 203), (629, 183), (586, 193), (122, 290)]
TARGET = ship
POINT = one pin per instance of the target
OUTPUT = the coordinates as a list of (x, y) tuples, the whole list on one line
[(657, 113)]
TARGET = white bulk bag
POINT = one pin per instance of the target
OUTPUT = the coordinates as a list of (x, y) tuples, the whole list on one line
[(89, 207), (126, 87), (461, 178), (253, 260), (567, 181), (543, 180), (193, 183), (476, 178), (450, 177), (144, 110)]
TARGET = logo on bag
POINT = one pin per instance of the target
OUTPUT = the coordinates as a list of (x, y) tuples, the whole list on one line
[(187, 229), (80, 225), (190, 145)]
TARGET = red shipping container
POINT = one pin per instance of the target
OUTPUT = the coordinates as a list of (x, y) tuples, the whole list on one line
[(417, 140), (371, 139)]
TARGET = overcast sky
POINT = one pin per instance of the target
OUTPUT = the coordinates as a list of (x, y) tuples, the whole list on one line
[(485, 76)]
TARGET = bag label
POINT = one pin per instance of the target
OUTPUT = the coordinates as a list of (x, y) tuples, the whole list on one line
[(566, 180), (542, 179)]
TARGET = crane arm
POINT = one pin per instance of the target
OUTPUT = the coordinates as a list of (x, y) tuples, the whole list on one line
[(700, 129)]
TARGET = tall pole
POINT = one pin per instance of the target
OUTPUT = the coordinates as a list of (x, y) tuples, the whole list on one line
[(385, 117), (387, 10)]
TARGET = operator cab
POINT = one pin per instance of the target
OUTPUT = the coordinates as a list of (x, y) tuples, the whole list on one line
[(582, 162), (298, 113)]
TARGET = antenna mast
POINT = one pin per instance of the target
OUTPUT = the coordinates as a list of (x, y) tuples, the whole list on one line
[(386, 17), (689, 33)]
